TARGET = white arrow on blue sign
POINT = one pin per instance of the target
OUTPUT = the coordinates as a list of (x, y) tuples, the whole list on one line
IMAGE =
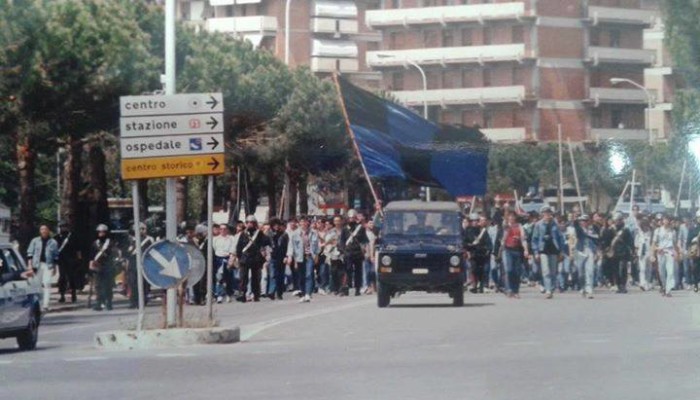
[(166, 264)]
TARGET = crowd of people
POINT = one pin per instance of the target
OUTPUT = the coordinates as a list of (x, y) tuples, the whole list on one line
[(578, 252), (308, 256)]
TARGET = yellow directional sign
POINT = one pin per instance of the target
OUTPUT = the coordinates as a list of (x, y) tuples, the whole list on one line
[(161, 167)]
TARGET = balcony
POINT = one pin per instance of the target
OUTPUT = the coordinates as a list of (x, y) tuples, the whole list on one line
[(614, 55), (334, 48), (624, 16), (619, 134), (334, 26), (338, 9), (445, 97), (323, 64), (617, 96), (448, 55), (505, 134), (262, 25), (445, 15)]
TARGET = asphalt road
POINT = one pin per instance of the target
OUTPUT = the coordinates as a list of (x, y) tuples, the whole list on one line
[(635, 346)]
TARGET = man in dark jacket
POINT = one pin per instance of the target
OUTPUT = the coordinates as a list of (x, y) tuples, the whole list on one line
[(69, 257), (478, 245), (619, 252), (351, 244), (251, 260), (279, 240), (102, 257)]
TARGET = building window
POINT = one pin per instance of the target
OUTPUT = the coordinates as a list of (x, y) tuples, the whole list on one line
[(614, 38), (595, 37), (396, 40), (229, 11), (467, 37), (597, 118), (487, 36), (448, 38), (516, 76), (433, 80), (468, 78), (397, 81), (517, 34), (616, 118), (488, 120), (487, 77), (430, 38)]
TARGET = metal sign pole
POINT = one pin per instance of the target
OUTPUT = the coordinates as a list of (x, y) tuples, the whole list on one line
[(210, 250), (139, 256), (170, 200)]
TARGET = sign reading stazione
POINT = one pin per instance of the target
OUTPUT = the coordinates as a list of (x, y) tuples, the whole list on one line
[(170, 136)]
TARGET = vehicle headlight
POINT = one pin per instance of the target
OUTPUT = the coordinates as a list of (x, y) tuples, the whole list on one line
[(386, 260), (455, 261)]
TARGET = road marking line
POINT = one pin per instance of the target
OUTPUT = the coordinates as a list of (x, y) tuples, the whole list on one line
[(6, 362), (72, 328), (595, 341), (247, 332), (94, 358), (173, 355), (671, 338)]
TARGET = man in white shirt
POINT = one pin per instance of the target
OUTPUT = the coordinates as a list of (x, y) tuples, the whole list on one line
[(666, 249), (223, 246)]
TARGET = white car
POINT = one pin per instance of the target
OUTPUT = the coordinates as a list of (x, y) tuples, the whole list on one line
[(20, 300)]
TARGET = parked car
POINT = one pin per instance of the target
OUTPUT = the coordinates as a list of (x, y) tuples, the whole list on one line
[(20, 299), (420, 249)]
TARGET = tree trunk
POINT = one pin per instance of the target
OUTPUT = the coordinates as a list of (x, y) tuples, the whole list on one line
[(181, 185), (303, 194), (293, 191), (143, 199), (72, 181), (26, 166), (271, 191), (203, 186), (97, 192), (234, 196)]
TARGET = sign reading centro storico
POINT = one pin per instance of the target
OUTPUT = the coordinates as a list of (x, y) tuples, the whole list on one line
[(169, 136)]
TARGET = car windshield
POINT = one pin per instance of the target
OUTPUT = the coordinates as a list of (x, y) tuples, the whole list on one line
[(416, 223)]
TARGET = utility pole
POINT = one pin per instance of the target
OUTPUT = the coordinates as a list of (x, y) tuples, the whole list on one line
[(170, 200)]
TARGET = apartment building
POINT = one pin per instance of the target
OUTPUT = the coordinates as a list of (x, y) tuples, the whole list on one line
[(661, 79), (325, 35), (519, 69)]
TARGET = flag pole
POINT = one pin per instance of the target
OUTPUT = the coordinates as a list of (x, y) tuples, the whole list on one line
[(354, 141)]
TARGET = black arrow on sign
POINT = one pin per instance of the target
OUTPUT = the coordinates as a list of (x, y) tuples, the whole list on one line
[(214, 163), (213, 102), (212, 122), (214, 143)]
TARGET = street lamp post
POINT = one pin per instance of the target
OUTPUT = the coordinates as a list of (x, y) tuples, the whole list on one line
[(425, 100), (650, 103), (287, 22)]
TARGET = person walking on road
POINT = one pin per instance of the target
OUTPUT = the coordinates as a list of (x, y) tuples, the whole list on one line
[(304, 251), (69, 257), (223, 246), (514, 251), (620, 252), (585, 254), (548, 244), (479, 246), (42, 254), (102, 260), (279, 240), (352, 242), (642, 244), (666, 251), (249, 251), (132, 273)]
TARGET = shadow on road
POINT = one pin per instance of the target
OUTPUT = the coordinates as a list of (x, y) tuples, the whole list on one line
[(446, 305), (16, 350)]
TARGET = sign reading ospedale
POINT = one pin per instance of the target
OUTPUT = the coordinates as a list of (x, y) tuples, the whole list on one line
[(170, 136)]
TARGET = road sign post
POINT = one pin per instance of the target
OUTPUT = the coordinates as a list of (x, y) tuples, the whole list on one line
[(167, 137)]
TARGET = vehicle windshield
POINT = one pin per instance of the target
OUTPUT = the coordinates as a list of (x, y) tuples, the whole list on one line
[(417, 223)]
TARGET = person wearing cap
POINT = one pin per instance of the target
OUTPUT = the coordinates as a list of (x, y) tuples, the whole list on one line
[(585, 254), (68, 260), (132, 273), (665, 247), (352, 244), (548, 247), (42, 254), (102, 258), (249, 251)]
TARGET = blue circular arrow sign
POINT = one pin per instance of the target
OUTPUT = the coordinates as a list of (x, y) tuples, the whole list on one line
[(166, 264)]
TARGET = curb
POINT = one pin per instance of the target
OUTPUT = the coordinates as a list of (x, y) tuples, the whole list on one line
[(164, 338)]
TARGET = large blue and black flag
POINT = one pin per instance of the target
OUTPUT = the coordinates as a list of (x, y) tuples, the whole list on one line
[(394, 142)]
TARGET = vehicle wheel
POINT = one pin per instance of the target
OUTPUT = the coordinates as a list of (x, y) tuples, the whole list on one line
[(458, 297), (30, 335), (383, 296)]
